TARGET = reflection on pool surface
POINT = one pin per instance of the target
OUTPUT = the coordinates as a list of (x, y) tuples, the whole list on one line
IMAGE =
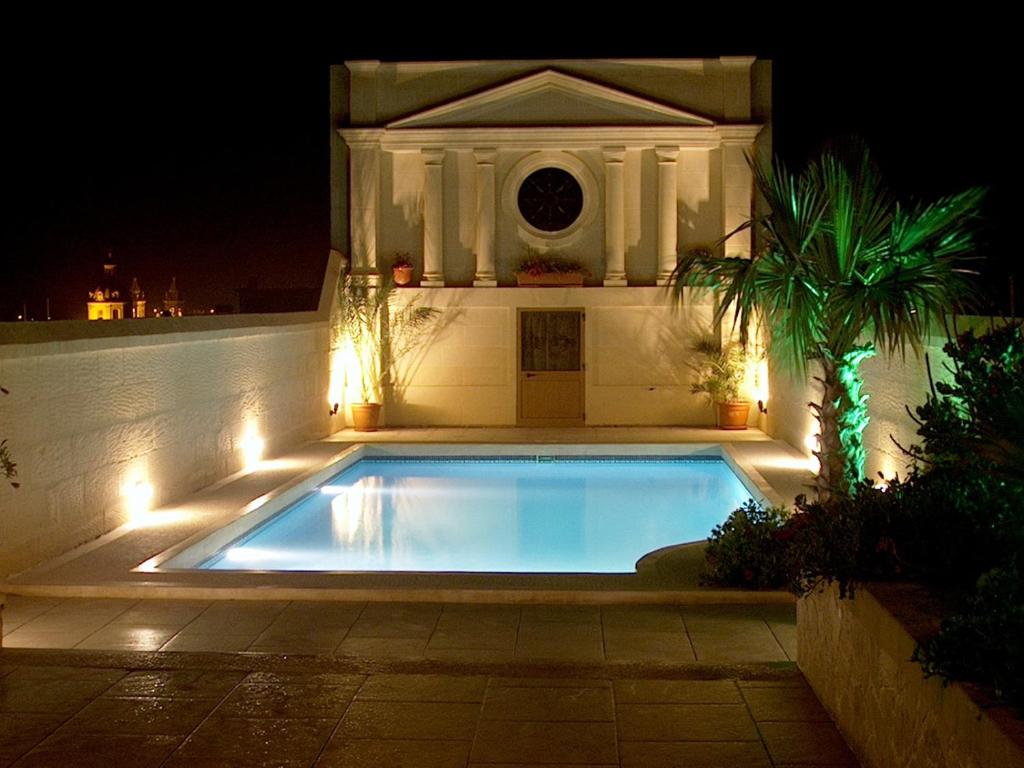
[(492, 514)]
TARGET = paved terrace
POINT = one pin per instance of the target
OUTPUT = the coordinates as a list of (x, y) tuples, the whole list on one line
[(123, 681)]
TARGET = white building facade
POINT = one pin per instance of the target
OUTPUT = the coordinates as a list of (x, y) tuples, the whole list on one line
[(620, 165)]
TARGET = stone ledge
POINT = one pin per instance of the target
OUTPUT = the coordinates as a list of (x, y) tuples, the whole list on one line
[(856, 656)]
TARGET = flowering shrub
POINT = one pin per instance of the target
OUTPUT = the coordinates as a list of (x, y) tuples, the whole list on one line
[(747, 550)]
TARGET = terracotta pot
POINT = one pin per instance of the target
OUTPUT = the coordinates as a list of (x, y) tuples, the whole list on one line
[(365, 416), (732, 415), (549, 278), (403, 275)]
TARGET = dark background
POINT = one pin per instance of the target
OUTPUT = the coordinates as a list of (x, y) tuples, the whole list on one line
[(204, 155)]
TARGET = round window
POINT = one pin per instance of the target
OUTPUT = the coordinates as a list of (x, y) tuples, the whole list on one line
[(550, 199)]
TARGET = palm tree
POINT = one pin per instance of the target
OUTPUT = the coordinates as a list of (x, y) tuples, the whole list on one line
[(842, 268)]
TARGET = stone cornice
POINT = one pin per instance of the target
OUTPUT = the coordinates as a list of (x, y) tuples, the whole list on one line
[(362, 138), (560, 137), (739, 134)]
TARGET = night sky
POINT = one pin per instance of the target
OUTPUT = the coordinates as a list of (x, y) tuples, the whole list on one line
[(209, 161)]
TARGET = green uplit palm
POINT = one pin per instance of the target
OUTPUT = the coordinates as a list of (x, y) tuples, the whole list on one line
[(841, 268)]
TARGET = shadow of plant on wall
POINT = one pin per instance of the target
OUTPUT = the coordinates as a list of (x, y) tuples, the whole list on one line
[(7, 465)]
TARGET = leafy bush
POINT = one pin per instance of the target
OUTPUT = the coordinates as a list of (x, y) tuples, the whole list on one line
[(984, 641), (746, 550)]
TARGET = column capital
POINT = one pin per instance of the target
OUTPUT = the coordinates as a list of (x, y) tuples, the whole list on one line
[(485, 155), (613, 154), (667, 154), (433, 156)]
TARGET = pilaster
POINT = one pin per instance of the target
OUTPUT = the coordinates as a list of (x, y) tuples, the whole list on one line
[(668, 224), (433, 219)]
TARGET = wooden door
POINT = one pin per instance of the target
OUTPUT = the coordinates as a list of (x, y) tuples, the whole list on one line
[(551, 368)]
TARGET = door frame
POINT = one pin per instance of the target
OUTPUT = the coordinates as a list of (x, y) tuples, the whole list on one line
[(567, 422)]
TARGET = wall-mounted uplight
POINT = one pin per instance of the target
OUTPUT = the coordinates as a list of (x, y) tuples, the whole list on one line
[(252, 446), (138, 496)]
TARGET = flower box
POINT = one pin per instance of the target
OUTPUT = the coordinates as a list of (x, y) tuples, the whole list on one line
[(549, 278)]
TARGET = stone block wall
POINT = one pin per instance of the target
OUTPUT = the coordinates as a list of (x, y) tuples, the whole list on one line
[(95, 407), (856, 656)]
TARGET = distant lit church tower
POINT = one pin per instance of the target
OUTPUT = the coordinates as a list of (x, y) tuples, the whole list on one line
[(173, 305), (107, 301), (138, 299)]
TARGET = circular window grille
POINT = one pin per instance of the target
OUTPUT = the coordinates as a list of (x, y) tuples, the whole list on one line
[(550, 199)]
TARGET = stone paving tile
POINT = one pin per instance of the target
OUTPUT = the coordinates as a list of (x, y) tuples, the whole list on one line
[(569, 614), (685, 722), (579, 642), (549, 704), (817, 744), (99, 750), (28, 637), (19, 732), (176, 684), (48, 695), (785, 704), (676, 692), (469, 654), (399, 621), (531, 742), (646, 644), (410, 720), (319, 641), (169, 612), (211, 643), (724, 640), (480, 615), (480, 638), (128, 637), (304, 678), (423, 688), (320, 614), (382, 647), (548, 682), (394, 753), (288, 700), (253, 742), (237, 617), (693, 754), (142, 716), (662, 618)]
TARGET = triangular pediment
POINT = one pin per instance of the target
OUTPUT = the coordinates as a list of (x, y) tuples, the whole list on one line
[(550, 98)]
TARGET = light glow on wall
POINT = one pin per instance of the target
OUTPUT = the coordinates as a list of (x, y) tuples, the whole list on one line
[(812, 444), (252, 446), (345, 378), (138, 496)]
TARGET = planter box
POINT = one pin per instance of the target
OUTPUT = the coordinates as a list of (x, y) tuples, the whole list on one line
[(856, 656), (549, 278)]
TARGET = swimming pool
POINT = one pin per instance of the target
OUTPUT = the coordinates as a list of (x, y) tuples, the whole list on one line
[(523, 511)]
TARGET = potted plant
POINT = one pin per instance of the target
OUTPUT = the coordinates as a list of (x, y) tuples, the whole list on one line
[(401, 268), (719, 374), (367, 322), (537, 269)]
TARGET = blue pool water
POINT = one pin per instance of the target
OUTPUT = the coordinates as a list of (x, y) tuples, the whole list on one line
[(516, 514)]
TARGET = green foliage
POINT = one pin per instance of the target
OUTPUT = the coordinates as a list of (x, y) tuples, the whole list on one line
[(956, 522), (401, 259), (536, 263), (379, 333), (746, 550), (984, 641), (718, 370), (841, 259)]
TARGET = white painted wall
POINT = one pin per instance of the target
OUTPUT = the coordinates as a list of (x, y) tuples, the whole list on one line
[(463, 371), (94, 406)]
